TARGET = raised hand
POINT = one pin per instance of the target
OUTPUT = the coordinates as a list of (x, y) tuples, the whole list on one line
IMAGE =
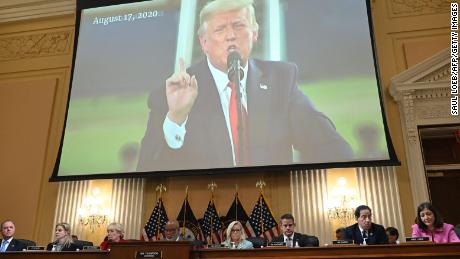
[(181, 93)]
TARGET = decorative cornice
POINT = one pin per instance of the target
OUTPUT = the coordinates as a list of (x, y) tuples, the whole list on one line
[(35, 45), (400, 8), (441, 74), (19, 10)]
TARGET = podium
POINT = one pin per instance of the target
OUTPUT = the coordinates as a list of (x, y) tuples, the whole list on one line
[(141, 249)]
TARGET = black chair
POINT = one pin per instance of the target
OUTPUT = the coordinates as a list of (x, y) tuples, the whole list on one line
[(257, 242), (197, 243), (81, 243), (27, 242), (311, 240)]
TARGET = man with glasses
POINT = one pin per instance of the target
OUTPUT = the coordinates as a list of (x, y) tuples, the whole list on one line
[(291, 238), (364, 231), (172, 231)]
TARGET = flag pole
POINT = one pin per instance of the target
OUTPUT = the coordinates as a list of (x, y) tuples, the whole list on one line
[(159, 188), (185, 209), (212, 186), (236, 202), (261, 185)]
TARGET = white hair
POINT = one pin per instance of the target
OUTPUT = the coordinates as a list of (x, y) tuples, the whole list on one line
[(218, 6)]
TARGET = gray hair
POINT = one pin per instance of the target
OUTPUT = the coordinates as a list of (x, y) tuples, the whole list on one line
[(218, 6), (117, 227)]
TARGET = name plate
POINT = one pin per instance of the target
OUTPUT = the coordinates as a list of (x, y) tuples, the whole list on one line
[(151, 254), (343, 242), (216, 246), (277, 244), (417, 239), (91, 248), (35, 248)]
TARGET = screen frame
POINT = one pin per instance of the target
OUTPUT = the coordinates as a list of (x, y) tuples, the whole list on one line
[(391, 161)]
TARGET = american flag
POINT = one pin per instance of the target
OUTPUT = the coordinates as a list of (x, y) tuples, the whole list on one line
[(211, 221), (262, 221), (237, 212), (156, 224)]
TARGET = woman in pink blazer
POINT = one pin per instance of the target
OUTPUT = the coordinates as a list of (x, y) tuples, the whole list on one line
[(430, 224)]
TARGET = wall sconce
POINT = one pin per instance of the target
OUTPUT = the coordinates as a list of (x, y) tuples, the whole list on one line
[(341, 206), (92, 213)]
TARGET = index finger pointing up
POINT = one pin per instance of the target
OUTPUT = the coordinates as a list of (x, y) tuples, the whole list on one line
[(181, 65)]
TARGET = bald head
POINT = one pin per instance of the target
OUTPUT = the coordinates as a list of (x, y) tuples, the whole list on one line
[(172, 230)]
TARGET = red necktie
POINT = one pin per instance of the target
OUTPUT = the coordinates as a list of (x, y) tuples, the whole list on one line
[(233, 111)]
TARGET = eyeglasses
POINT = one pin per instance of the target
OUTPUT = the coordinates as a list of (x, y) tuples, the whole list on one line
[(236, 230)]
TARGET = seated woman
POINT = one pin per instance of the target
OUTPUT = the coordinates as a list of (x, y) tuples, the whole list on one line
[(235, 237), (430, 224), (63, 241), (115, 234), (392, 234)]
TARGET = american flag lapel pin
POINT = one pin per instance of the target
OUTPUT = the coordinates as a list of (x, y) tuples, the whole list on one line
[(263, 87)]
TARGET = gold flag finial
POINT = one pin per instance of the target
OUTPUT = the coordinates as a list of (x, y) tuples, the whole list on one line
[(236, 188), (160, 188), (261, 184), (212, 186)]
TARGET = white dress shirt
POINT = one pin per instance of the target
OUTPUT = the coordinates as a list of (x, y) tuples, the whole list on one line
[(175, 134)]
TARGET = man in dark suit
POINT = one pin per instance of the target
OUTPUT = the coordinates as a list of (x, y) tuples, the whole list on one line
[(8, 243), (195, 126), (291, 238), (364, 231)]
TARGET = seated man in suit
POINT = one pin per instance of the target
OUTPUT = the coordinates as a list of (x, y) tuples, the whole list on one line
[(195, 121), (8, 243), (172, 231), (364, 231), (291, 238)]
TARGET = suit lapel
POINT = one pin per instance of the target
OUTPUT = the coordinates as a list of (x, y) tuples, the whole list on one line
[(258, 94), (358, 235), (11, 245)]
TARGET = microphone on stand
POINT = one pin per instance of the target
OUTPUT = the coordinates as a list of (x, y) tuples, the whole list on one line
[(235, 74), (233, 65)]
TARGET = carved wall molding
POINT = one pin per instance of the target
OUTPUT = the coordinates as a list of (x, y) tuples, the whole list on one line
[(401, 8), (35, 45), (18, 10), (429, 112), (423, 94), (441, 74), (433, 93)]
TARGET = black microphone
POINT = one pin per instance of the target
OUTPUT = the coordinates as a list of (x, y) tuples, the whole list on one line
[(233, 65)]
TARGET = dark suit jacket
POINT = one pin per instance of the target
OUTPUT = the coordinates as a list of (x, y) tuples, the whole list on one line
[(302, 240), (71, 247), (376, 236), (15, 245), (279, 116)]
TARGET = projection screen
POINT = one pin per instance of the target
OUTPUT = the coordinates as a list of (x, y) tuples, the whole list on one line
[(309, 98)]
